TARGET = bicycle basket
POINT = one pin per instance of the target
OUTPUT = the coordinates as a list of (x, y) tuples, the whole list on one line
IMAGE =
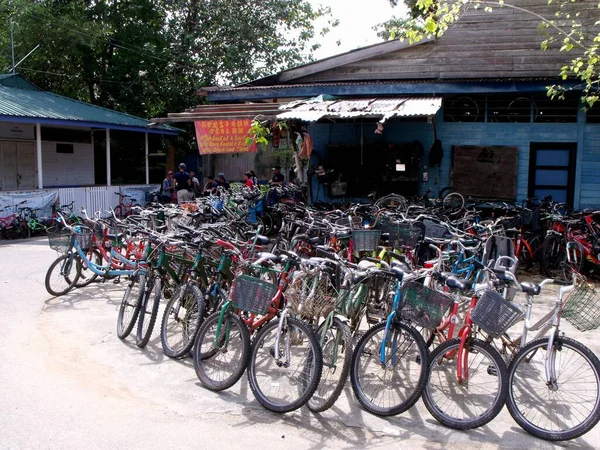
[(494, 315), (434, 230), (59, 239), (84, 237), (366, 240), (310, 299), (403, 235), (252, 294), (582, 309), (423, 306)]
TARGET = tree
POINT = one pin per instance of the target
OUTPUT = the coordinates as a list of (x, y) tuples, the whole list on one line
[(149, 57), (565, 29)]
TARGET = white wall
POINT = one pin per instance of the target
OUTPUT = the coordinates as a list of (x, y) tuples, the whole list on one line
[(68, 169)]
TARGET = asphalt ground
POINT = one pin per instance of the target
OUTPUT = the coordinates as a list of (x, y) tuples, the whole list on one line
[(68, 382)]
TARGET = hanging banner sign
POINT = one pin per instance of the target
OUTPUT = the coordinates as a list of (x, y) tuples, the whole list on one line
[(222, 136)]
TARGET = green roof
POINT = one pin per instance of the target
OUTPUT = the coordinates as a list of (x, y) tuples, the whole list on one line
[(21, 101)]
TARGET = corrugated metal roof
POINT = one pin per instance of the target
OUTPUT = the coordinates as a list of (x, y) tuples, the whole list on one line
[(37, 104), (318, 108)]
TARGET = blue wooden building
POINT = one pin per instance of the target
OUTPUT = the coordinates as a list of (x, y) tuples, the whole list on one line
[(501, 136)]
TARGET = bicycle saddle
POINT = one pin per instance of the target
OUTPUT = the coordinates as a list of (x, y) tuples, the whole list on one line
[(459, 284), (530, 288)]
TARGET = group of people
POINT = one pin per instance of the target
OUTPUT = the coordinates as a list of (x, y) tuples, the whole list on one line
[(183, 186)]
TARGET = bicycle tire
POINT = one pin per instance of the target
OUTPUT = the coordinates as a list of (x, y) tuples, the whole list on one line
[(477, 410), (328, 391), (528, 366), (453, 201), (87, 277), (152, 293), (263, 366), (189, 298), (207, 357), (130, 305), (66, 264), (118, 212), (366, 362), (552, 255)]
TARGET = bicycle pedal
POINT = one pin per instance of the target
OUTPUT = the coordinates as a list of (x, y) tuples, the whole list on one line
[(491, 370), (117, 280)]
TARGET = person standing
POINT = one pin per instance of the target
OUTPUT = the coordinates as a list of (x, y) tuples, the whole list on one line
[(249, 182), (254, 179), (210, 185), (221, 181), (194, 184), (167, 188), (182, 178)]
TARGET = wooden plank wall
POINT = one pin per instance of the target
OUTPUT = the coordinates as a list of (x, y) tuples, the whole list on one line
[(503, 43)]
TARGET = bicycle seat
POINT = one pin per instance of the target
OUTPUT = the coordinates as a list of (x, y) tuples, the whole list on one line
[(442, 276), (459, 284), (366, 265), (402, 266), (114, 237), (266, 257), (530, 288), (512, 232), (398, 273)]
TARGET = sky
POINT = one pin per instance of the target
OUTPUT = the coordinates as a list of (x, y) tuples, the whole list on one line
[(357, 19)]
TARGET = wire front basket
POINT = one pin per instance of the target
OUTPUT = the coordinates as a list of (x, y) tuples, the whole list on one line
[(310, 296), (403, 235), (84, 237), (422, 305), (582, 309), (366, 240), (59, 239), (252, 294), (494, 314)]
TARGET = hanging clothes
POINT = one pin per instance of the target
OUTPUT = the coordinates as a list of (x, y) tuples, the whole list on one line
[(276, 134), (307, 146)]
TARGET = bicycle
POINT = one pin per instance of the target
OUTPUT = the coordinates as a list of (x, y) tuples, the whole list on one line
[(125, 209)]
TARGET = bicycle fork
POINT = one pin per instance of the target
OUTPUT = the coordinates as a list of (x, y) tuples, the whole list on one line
[(277, 354)]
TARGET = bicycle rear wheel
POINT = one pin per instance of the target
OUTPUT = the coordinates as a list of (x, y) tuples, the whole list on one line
[(284, 377), (337, 356), (181, 321), (478, 398), (563, 410), (221, 361), (394, 387), (130, 305), (62, 274), (150, 301), (552, 255)]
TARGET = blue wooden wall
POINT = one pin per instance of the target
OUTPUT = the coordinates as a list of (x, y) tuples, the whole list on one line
[(587, 136)]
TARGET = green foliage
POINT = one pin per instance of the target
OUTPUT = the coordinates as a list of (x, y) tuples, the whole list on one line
[(149, 57)]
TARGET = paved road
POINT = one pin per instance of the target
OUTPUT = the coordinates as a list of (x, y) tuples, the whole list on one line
[(67, 382)]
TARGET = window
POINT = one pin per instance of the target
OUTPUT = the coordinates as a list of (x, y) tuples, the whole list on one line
[(548, 110), (64, 148), (516, 109), (464, 108)]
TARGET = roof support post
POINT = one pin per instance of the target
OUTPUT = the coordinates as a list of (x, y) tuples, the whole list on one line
[(147, 162), (38, 142), (108, 175)]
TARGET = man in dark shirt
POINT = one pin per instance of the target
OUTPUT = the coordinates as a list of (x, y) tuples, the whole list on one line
[(182, 178), (278, 177)]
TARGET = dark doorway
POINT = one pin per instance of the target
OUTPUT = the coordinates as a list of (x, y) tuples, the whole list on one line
[(552, 170)]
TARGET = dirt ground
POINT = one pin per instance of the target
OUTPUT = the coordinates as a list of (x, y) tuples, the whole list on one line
[(68, 382)]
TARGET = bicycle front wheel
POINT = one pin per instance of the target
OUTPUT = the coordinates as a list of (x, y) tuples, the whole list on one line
[(181, 321), (566, 407), (478, 397), (337, 356), (152, 292), (130, 305), (395, 386), (63, 274), (87, 276), (221, 354), (284, 377)]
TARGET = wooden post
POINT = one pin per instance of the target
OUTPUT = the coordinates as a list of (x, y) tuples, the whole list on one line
[(147, 162), (38, 139), (108, 175)]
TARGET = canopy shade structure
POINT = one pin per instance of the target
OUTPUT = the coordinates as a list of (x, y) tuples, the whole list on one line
[(382, 108)]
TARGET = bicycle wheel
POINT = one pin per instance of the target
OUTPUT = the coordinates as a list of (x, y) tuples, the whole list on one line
[(62, 274), (87, 276), (394, 387), (284, 377), (453, 201), (552, 255), (576, 254), (181, 321), (130, 305), (221, 361), (476, 400), (150, 301), (337, 356), (564, 409)]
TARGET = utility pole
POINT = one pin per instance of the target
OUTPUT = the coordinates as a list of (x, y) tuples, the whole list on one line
[(12, 45)]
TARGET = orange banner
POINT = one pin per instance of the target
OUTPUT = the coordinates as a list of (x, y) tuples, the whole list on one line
[(222, 136)]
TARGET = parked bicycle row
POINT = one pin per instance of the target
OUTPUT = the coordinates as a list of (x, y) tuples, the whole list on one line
[(407, 303)]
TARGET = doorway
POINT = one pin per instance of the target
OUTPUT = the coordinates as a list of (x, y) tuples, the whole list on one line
[(552, 170), (17, 165)]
